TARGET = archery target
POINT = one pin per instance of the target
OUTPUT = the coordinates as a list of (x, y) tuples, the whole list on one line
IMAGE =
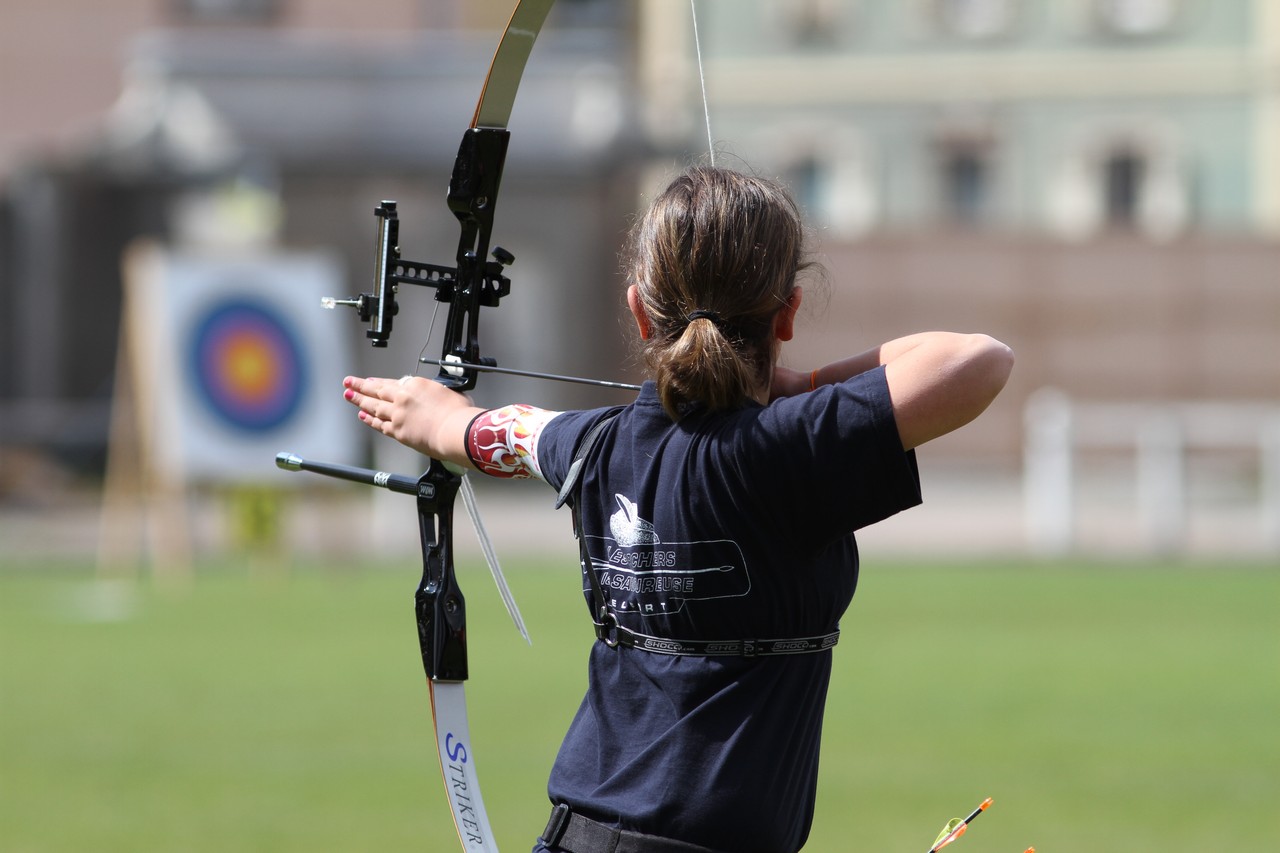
[(242, 362), (248, 366)]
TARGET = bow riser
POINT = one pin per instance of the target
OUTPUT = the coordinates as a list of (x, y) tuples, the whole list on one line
[(473, 195)]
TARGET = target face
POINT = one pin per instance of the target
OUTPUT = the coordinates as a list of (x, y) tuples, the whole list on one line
[(239, 363), (248, 367)]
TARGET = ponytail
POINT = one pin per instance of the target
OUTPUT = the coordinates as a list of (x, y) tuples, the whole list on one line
[(704, 366), (714, 259)]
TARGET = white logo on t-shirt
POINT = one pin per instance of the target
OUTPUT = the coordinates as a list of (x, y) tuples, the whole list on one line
[(639, 577), (628, 528)]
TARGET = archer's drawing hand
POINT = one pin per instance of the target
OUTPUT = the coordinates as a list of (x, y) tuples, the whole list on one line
[(415, 411)]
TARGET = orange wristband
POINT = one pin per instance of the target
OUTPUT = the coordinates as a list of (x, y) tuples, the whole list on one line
[(813, 380)]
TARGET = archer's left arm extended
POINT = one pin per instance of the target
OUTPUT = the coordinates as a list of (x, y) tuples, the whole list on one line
[(426, 416)]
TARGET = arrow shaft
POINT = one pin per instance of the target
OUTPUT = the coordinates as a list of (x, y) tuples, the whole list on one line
[(491, 368)]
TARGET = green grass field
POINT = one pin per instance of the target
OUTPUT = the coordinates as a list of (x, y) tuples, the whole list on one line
[(1125, 707)]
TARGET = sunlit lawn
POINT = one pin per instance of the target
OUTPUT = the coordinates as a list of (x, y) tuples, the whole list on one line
[(1127, 708)]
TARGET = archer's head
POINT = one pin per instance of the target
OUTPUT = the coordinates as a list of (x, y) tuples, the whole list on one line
[(711, 269)]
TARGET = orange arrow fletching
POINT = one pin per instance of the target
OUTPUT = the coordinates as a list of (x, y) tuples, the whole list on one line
[(957, 827)]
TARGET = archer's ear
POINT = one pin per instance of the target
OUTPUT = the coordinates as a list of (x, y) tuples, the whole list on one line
[(637, 311), (784, 321)]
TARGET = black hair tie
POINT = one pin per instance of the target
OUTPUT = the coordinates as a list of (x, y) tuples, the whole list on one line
[(703, 314)]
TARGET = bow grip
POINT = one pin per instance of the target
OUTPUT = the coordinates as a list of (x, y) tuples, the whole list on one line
[(440, 606)]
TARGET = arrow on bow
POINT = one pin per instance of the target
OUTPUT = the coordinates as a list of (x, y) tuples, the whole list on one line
[(471, 283)]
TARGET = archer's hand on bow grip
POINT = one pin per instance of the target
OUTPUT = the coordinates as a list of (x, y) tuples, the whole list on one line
[(417, 412)]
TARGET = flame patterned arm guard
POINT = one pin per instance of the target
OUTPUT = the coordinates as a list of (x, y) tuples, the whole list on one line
[(504, 442)]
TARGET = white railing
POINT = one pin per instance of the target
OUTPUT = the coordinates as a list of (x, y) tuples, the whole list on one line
[(1061, 433)]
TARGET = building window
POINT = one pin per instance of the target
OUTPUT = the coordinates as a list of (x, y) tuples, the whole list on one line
[(837, 194), (804, 178), (975, 19), (829, 169), (226, 11), (964, 166), (1136, 17), (1122, 173), (1123, 179), (966, 184), (812, 23)]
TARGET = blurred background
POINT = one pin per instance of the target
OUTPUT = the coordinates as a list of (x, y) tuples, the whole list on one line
[(1095, 182)]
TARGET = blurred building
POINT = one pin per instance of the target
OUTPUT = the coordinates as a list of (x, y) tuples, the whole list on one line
[(1065, 117), (1095, 181), (286, 122)]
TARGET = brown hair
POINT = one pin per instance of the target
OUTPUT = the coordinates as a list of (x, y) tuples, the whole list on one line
[(725, 248)]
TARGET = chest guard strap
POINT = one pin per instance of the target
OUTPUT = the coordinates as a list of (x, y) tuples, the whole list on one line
[(612, 634)]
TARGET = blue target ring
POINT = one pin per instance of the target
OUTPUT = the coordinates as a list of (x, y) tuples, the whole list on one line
[(248, 366)]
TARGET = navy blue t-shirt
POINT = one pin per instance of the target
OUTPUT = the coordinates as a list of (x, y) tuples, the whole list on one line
[(724, 526)]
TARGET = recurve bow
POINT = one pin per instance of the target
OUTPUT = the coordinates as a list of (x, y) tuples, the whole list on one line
[(472, 282)]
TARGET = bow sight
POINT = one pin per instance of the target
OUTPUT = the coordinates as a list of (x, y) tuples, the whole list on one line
[(471, 284)]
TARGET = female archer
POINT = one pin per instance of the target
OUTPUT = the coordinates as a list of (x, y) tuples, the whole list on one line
[(716, 517)]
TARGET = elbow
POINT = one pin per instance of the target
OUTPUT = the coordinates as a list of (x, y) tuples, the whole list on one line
[(994, 360), (986, 364), (949, 389)]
